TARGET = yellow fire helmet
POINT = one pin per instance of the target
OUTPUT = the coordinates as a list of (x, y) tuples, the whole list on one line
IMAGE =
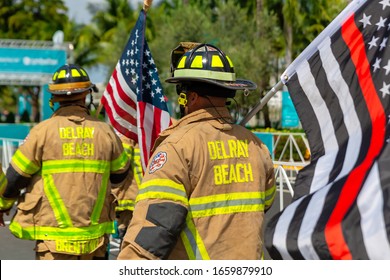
[(70, 79), (206, 63)]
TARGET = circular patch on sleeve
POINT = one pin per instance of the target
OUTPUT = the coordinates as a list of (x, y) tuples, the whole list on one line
[(157, 162)]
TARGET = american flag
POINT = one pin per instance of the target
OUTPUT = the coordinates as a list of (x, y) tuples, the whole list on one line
[(134, 99), (340, 86)]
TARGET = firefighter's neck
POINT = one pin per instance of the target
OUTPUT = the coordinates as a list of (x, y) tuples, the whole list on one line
[(196, 102)]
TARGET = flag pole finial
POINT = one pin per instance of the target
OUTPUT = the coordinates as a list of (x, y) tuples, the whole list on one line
[(147, 4)]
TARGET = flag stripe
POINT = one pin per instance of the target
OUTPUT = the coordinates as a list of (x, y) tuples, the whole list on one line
[(337, 125), (120, 107), (343, 93), (333, 229), (116, 122), (371, 204)]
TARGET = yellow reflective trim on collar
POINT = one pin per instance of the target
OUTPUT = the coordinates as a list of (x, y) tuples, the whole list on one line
[(24, 164)]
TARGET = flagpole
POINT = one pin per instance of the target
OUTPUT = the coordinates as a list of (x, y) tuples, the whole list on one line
[(147, 4), (262, 102), (99, 109)]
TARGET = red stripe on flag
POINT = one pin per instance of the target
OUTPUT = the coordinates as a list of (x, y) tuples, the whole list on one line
[(123, 95), (157, 124), (122, 113), (141, 132), (126, 132), (333, 230)]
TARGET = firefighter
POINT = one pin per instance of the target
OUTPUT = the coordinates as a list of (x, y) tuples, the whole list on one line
[(126, 196), (209, 181), (66, 168)]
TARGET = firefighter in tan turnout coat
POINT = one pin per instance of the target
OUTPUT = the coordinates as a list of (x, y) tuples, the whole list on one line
[(65, 166), (209, 181)]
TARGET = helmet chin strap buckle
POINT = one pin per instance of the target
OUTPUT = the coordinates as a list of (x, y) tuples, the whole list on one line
[(182, 100)]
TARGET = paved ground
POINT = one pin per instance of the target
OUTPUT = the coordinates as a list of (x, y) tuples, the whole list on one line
[(12, 248)]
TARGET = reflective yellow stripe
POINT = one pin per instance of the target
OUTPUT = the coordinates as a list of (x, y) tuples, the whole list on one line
[(68, 166), (55, 233), (137, 166), (3, 182), (227, 204), (75, 165), (97, 209), (134, 155), (120, 162), (270, 196), (192, 241), (6, 203), (125, 204), (24, 164), (56, 202), (162, 189)]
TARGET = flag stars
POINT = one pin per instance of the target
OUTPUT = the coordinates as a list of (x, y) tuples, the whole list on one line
[(147, 53), (373, 42), (383, 44), (366, 20), (387, 67), (154, 82), (162, 99), (381, 23), (385, 90), (385, 3), (377, 64)]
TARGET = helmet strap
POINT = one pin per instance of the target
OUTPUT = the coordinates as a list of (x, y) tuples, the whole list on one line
[(182, 100), (51, 104)]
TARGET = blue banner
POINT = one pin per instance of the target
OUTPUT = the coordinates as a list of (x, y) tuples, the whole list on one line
[(290, 117), (268, 140), (19, 60)]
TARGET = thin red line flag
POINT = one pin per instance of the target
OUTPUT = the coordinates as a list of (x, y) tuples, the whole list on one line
[(134, 99), (340, 86)]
